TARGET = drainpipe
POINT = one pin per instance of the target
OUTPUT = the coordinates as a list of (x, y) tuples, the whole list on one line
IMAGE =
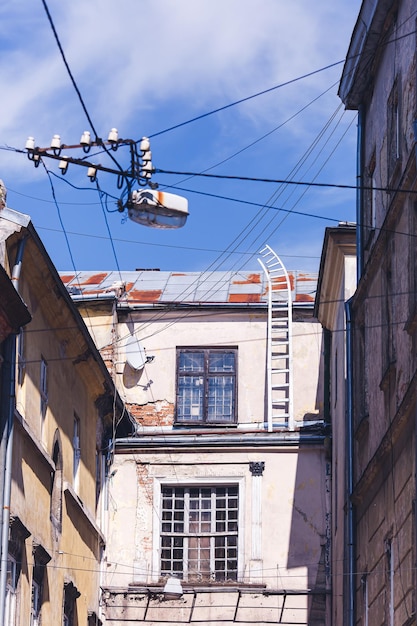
[(359, 195), (350, 530), (8, 402)]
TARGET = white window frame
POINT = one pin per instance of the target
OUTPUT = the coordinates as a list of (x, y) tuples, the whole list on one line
[(211, 481), (11, 591), (35, 606), (21, 361), (43, 387), (76, 452), (389, 551)]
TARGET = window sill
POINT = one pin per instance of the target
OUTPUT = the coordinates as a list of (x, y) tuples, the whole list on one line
[(205, 425), (201, 587)]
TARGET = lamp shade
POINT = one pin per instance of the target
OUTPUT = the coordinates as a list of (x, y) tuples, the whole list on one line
[(173, 589), (158, 209)]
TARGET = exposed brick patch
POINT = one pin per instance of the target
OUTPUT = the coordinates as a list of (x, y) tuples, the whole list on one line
[(146, 482), (159, 413)]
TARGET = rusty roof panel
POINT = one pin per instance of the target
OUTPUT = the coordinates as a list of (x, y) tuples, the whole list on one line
[(149, 295), (250, 278), (67, 278), (245, 297), (137, 287)]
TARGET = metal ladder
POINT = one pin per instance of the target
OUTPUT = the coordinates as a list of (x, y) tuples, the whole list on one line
[(279, 342)]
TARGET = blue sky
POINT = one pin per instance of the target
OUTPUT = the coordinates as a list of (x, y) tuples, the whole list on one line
[(143, 67)]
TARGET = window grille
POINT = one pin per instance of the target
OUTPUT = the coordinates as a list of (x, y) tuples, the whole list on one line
[(199, 533)]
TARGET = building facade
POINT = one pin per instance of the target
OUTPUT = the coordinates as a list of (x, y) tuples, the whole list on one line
[(336, 286), (58, 411), (379, 80), (212, 491)]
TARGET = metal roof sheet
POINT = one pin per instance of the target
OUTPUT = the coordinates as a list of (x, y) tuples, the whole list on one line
[(158, 287)]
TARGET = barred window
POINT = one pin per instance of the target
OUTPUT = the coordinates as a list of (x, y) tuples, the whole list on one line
[(206, 385), (199, 533)]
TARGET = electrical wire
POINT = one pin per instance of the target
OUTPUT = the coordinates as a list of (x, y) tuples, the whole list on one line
[(246, 99), (249, 229), (282, 181), (74, 84), (67, 67), (48, 173)]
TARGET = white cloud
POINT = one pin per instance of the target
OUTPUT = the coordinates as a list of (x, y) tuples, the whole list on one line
[(145, 65), (131, 56)]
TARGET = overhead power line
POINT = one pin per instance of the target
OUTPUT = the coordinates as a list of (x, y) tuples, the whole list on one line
[(255, 95), (283, 181), (51, 23)]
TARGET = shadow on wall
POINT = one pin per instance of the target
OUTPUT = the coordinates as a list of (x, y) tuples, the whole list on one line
[(309, 545)]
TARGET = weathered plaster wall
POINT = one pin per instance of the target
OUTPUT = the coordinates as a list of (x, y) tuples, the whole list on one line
[(293, 527), (150, 393)]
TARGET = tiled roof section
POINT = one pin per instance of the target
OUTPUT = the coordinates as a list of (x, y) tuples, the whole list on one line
[(152, 286)]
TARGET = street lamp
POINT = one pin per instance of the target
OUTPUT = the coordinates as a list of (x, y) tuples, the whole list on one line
[(148, 207), (158, 209)]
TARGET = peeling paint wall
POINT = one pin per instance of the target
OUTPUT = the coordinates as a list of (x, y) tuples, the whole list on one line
[(151, 391), (283, 510), (57, 513), (292, 538)]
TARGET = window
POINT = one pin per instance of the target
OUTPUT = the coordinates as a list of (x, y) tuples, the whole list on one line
[(21, 361), (199, 532), (365, 599), (370, 201), (11, 590), (71, 594), (389, 553), (412, 255), (206, 385), (40, 560), (18, 534), (56, 486), (100, 474), (388, 312), (76, 452), (36, 604), (44, 387), (394, 130)]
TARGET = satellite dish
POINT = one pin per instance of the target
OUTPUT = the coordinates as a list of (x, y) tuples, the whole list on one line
[(135, 353)]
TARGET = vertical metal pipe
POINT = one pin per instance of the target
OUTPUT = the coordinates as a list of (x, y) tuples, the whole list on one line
[(359, 194), (350, 531), (8, 401)]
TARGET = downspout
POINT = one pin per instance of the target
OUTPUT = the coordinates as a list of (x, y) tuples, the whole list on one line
[(359, 195), (350, 530), (8, 402)]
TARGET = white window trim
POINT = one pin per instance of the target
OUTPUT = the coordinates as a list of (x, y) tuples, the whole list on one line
[(11, 594), (21, 361), (212, 481), (43, 390), (76, 452), (35, 612)]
